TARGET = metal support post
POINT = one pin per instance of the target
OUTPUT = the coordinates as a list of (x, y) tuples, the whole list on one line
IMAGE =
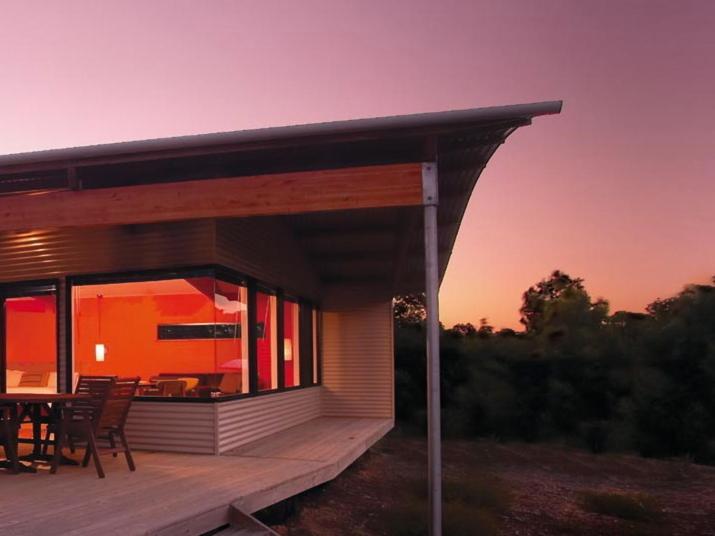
[(434, 436)]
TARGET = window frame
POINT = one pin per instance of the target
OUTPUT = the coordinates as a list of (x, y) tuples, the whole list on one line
[(253, 322)]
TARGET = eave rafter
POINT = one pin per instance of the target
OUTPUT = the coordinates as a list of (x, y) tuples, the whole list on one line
[(393, 185)]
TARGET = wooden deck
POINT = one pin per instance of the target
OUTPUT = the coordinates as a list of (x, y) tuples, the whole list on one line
[(183, 494)]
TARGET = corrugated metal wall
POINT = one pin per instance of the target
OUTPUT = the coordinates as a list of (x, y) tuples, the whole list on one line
[(358, 362), (59, 252), (243, 421), (56, 253), (179, 427), (266, 249)]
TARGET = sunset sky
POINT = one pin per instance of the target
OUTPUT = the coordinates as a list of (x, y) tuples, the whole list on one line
[(619, 189)]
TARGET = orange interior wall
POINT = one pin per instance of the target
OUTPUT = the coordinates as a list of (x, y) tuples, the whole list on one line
[(127, 326), (289, 338), (31, 333)]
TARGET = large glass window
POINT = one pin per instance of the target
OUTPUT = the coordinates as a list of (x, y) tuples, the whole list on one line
[(183, 337), (266, 340), (193, 336), (30, 341), (291, 343)]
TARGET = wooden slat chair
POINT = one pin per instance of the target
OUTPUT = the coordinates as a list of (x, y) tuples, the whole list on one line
[(80, 420), (114, 417), (8, 439), (86, 385)]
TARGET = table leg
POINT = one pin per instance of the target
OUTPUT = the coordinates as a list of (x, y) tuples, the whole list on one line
[(36, 414), (6, 464), (59, 438), (36, 430)]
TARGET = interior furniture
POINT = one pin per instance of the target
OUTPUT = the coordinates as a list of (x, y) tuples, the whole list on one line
[(110, 427), (23, 381), (170, 387), (79, 421), (191, 383), (227, 383), (40, 408)]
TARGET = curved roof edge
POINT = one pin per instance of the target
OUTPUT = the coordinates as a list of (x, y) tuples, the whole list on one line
[(346, 128)]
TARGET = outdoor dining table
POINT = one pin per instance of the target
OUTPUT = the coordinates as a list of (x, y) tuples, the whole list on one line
[(32, 406)]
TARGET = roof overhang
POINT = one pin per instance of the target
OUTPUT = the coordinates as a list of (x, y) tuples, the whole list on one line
[(379, 246)]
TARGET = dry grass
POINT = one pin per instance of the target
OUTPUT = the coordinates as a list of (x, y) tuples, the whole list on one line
[(472, 505), (628, 506), (509, 488)]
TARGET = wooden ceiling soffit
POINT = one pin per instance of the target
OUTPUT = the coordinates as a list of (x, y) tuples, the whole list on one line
[(394, 185)]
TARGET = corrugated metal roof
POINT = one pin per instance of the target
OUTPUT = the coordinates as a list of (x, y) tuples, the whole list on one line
[(334, 130)]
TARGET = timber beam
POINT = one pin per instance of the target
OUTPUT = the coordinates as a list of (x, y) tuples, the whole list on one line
[(395, 185)]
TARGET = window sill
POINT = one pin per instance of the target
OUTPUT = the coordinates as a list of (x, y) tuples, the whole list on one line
[(218, 400)]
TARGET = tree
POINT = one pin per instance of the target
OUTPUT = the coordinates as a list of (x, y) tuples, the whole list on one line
[(464, 330), (409, 309), (485, 328), (559, 303)]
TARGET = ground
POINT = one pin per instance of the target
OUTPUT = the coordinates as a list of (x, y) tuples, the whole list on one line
[(544, 486)]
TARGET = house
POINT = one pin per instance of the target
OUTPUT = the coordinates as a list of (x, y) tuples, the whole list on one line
[(246, 277)]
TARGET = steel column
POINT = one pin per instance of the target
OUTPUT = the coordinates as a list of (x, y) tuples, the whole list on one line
[(434, 437)]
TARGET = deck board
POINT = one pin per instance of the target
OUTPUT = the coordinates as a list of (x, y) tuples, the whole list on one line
[(171, 493)]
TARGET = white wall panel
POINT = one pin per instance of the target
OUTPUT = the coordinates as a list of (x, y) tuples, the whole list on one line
[(358, 362)]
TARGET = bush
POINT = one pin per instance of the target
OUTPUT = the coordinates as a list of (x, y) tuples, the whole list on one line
[(625, 381)]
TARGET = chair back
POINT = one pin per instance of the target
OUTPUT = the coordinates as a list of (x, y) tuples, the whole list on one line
[(171, 387), (230, 383), (98, 388), (115, 412)]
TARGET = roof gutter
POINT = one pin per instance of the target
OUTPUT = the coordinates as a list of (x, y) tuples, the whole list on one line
[(366, 128)]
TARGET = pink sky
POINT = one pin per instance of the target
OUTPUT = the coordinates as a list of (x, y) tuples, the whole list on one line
[(619, 189)]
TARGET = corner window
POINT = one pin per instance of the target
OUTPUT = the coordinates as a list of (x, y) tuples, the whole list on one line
[(185, 337)]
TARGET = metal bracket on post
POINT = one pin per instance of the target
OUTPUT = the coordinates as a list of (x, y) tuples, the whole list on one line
[(430, 191), (430, 199)]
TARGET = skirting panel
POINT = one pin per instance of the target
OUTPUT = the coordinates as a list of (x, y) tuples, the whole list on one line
[(168, 426), (242, 421), (215, 428)]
